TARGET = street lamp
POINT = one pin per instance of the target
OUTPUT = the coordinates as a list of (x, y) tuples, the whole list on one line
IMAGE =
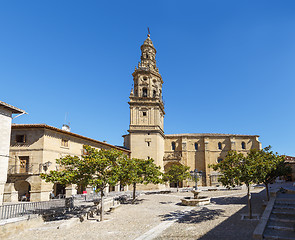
[(46, 165), (196, 174)]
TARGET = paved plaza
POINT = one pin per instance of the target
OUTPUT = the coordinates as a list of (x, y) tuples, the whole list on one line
[(160, 216)]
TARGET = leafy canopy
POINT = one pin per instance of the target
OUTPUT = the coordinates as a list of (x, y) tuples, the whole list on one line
[(177, 173), (96, 168)]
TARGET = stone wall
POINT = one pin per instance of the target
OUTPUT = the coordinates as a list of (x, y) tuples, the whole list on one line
[(210, 149)]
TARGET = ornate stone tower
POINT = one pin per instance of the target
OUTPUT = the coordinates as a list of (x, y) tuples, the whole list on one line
[(146, 134)]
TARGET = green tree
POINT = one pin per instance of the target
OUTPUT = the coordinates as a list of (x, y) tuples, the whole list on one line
[(95, 168), (134, 171), (177, 173), (269, 166), (237, 169)]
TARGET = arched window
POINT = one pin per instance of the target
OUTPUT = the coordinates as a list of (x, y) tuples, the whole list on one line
[(219, 160), (144, 92), (219, 146), (154, 93), (243, 145), (196, 146), (173, 146)]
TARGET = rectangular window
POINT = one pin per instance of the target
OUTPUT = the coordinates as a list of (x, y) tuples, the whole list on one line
[(144, 114), (23, 164), (173, 146), (20, 138), (65, 143), (196, 146)]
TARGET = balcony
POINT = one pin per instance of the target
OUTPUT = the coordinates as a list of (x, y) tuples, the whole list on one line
[(28, 169)]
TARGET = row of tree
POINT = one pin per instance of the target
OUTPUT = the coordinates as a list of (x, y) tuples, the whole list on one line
[(102, 168), (258, 166)]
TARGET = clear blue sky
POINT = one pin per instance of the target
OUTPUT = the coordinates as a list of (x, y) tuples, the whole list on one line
[(227, 66)]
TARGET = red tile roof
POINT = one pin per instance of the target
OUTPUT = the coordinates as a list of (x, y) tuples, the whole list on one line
[(24, 126)]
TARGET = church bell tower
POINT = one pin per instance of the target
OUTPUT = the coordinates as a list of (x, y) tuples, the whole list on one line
[(146, 129)]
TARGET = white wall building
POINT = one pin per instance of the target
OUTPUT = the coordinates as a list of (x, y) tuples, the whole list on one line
[(6, 112)]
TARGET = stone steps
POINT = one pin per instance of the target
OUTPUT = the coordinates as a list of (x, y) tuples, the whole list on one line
[(274, 218), (281, 222), (280, 211), (271, 233), (284, 206), (281, 225)]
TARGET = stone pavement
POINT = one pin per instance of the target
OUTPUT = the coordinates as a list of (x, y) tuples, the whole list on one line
[(160, 216)]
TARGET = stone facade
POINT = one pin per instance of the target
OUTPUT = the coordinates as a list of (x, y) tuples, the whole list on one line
[(6, 112), (146, 137), (34, 150), (199, 150)]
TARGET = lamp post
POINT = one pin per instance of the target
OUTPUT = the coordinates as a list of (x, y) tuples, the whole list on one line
[(196, 174), (46, 166)]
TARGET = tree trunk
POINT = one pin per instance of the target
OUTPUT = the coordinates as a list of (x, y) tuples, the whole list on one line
[(134, 192), (177, 185), (249, 201), (267, 192), (101, 205)]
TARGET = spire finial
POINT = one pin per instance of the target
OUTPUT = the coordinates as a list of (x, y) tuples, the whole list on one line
[(149, 33)]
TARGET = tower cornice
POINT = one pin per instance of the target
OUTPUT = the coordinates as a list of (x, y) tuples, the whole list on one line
[(144, 101), (146, 129)]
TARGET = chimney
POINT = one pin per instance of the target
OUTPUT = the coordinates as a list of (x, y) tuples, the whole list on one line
[(66, 127)]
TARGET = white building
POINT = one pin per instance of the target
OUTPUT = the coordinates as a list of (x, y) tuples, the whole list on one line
[(6, 112)]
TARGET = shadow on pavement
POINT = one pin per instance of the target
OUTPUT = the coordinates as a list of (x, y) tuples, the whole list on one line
[(235, 200), (233, 227), (194, 216)]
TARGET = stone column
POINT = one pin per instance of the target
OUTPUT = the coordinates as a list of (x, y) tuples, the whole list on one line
[(207, 161), (233, 144), (70, 190)]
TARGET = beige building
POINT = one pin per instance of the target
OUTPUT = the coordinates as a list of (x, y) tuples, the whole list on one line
[(34, 149), (198, 150), (146, 137)]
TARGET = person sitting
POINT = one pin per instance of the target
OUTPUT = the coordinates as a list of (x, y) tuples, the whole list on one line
[(27, 197), (23, 198), (51, 195)]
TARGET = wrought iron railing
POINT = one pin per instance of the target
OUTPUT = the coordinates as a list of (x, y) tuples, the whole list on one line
[(34, 168), (22, 209)]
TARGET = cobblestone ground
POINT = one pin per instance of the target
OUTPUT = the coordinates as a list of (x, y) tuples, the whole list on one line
[(160, 216)]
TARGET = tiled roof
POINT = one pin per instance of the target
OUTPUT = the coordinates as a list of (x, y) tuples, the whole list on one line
[(13, 109), (24, 126), (208, 135)]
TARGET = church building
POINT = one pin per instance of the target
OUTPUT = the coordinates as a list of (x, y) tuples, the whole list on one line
[(146, 138)]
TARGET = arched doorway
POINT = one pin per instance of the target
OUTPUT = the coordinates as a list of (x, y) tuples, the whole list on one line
[(24, 190), (59, 190)]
